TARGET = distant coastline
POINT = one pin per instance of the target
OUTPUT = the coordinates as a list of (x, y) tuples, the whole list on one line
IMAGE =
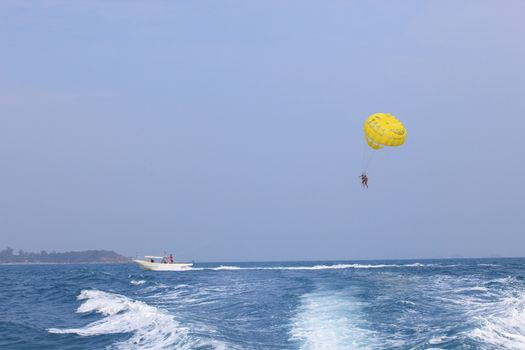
[(8, 256)]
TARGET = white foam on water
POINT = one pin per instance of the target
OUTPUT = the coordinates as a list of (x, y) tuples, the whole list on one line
[(137, 282), (438, 339), (494, 309), (331, 320), (346, 266), (150, 328), (315, 267), (227, 268), (474, 289), (503, 324)]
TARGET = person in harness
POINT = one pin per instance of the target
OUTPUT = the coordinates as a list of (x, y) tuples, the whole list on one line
[(364, 180)]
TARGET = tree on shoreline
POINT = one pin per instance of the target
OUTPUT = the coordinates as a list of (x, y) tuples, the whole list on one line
[(8, 251), (88, 256)]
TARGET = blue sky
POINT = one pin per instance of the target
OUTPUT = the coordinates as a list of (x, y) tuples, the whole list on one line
[(232, 130)]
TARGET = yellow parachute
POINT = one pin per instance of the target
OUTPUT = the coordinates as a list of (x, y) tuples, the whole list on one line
[(383, 129)]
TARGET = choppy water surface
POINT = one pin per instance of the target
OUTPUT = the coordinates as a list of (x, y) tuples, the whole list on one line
[(442, 304)]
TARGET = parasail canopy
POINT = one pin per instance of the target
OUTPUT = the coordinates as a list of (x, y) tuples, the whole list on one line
[(383, 129)]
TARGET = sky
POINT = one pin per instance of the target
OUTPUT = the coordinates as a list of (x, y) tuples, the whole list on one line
[(232, 130)]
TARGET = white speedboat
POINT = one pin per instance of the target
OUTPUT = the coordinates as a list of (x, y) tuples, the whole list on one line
[(162, 263)]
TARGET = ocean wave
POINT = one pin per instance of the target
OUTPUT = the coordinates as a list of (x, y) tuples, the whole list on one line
[(493, 310), (137, 282), (504, 281), (151, 328), (503, 324)]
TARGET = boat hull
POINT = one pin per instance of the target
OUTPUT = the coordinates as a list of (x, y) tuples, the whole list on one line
[(163, 267)]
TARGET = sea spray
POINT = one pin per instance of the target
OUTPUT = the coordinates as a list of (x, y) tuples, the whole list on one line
[(150, 327)]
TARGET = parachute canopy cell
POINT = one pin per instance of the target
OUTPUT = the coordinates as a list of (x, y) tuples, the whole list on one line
[(383, 129)]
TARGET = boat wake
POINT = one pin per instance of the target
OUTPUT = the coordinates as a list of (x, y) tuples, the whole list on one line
[(150, 327), (503, 323), (391, 306), (476, 313), (331, 320), (480, 314), (315, 267)]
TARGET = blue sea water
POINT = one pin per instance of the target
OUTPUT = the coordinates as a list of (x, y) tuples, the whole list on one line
[(426, 304)]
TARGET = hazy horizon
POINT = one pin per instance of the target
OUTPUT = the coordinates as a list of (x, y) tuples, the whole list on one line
[(16, 252), (232, 131)]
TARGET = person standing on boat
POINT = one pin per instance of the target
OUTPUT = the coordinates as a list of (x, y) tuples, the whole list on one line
[(171, 258)]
